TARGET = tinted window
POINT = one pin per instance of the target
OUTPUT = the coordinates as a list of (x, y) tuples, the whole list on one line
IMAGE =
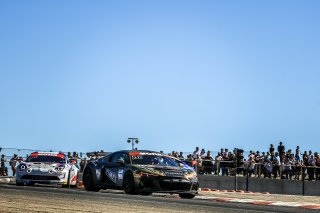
[(120, 155), (47, 159), (154, 160), (102, 160)]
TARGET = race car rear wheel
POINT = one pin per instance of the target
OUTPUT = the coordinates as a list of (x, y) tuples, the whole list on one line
[(128, 184), (187, 196), (88, 181)]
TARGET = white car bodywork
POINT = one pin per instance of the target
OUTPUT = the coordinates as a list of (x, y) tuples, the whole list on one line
[(47, 167)]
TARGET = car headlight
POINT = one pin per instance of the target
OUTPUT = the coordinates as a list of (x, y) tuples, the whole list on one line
[(23, 167), (59, 168)]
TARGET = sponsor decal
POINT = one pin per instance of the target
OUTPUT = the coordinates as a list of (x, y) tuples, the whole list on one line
[(60, 155), (120, 174), (134, 153), (98, 173), (172, 173), (152, 153), (111, 175)]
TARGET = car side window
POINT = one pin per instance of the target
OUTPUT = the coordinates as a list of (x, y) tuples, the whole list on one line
[(120, 155), (102, 160)]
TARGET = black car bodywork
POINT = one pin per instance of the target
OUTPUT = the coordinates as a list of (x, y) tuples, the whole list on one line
[(141, 172)]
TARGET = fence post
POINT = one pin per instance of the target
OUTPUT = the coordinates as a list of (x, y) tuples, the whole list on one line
[(303, 178), (247, 178), (259, 169), (235, 176)]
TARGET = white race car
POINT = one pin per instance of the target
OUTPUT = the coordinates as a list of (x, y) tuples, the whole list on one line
[(47, 167)]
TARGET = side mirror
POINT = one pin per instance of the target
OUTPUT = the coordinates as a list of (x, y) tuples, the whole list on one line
[(120, 162)]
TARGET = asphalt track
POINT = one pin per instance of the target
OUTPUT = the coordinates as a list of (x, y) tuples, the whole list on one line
[(56, 199)]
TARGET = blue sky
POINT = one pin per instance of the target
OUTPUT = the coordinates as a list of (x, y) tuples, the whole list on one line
[(86, 75)]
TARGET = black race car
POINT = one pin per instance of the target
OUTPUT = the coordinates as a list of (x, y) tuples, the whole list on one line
[(141, 172)]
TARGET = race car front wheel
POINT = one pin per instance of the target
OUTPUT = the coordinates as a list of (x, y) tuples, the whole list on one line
[(128, 184), (88, 181)]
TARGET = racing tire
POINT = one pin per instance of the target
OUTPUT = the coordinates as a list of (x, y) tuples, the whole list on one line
[(88, 181), (19, 184), (187, 195), (128, 184)]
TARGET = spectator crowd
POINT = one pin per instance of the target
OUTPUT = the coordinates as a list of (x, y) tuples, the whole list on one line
[(273, 163)]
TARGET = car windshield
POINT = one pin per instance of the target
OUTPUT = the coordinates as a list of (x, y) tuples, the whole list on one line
[(46, 159), (159, 160)]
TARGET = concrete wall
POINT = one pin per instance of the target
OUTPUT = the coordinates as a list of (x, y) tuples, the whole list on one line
[(274, 186)]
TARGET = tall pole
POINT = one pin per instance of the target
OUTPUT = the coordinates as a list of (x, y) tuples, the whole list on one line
[(235, 166), (133, 141)]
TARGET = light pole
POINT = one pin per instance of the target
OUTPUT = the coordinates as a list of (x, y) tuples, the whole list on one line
[(133, 141)]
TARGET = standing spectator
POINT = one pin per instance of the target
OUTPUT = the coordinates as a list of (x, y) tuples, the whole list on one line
[(305, 158), (13, 164), (181, 156), (297, 169), (310, 169), (276, 164), (69, 155), (83, 163), (202, 153), (249, 166), (281, 151), (195, 153), (287, 168), (224, 163), (297, 155), (207, 163), (259, 162), (318, 167), (267, 167), (4, 170), (222, 151), (216, 165), (198, 166), (226, 153), (174, 154), (271, 149)]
